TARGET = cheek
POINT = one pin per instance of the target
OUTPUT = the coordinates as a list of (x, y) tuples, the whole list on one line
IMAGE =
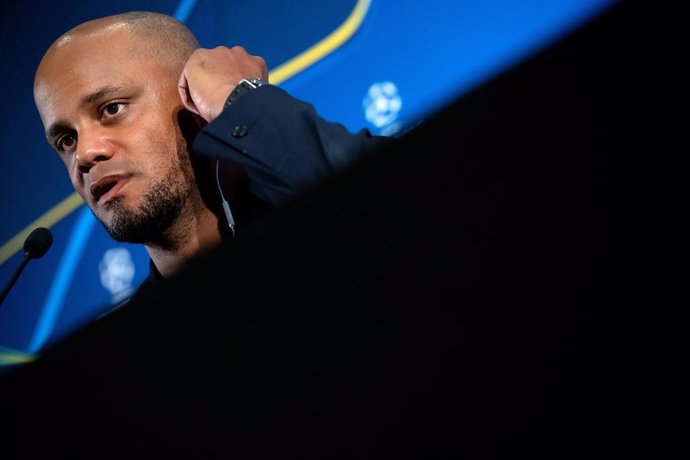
[(73, 172), (78, 185), (163, 140)]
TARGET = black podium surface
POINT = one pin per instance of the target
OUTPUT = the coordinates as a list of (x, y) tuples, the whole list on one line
[(453, 295)]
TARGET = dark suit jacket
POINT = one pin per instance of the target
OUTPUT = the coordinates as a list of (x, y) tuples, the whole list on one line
[(283, 144)]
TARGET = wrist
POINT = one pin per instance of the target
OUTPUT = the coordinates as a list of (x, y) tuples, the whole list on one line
[(244, 86)]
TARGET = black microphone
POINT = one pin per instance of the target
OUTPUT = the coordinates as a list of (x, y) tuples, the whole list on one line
[(36, 245)]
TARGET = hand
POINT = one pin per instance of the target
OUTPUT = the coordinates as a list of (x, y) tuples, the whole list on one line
[(210, 75)]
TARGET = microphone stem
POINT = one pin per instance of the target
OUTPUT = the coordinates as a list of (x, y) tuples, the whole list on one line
[(16, 274)]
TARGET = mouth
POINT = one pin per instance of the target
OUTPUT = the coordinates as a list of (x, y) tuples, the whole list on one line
[(107, 188)]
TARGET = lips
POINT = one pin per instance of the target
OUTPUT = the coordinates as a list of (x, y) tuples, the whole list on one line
[(106, 187)]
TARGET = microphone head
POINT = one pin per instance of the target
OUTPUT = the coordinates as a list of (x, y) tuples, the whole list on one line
[(38, 242)]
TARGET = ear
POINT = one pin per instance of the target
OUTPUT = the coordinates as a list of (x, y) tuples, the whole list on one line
[(200, 121), (190, 124)]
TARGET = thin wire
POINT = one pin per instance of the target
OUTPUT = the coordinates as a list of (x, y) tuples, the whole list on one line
[(218, 180), (226, 206)]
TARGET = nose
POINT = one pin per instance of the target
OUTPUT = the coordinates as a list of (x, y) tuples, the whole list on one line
[(92, 147)]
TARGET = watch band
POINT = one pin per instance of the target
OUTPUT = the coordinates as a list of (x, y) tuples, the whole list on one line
[(244, 86)]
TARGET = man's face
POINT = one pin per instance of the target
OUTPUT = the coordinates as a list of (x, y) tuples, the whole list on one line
[(111, 114)]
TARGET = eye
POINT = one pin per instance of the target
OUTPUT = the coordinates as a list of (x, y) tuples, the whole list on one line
[(111, 109), (66, 142)]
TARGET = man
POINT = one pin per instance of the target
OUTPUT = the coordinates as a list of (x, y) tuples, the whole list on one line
[(142, 117)]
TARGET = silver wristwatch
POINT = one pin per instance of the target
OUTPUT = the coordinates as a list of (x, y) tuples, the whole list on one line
[(244, 86)]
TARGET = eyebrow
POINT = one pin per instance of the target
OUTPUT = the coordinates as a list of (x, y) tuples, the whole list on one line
[(100, 93), (60, 127), (56, 129)]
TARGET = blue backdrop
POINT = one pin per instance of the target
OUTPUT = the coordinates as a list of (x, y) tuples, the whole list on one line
[(380, 64)]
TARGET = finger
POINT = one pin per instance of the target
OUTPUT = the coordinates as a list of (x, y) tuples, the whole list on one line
[(263, 67), (185, 96)]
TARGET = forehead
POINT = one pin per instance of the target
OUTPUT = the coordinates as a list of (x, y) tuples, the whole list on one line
[(85, 53), (83, 62)]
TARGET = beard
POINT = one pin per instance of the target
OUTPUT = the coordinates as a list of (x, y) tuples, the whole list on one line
[(160, 210)]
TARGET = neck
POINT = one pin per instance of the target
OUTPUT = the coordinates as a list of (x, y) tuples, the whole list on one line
[(205, 226), (202, 235)]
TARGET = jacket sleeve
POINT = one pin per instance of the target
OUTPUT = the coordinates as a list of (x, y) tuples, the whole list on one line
[(283, 144)]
